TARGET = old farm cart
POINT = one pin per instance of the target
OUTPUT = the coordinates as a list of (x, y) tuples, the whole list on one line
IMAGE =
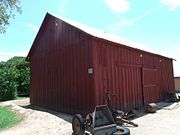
[(100, 122)]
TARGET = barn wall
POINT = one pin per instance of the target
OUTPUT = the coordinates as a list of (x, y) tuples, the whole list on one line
[(59, 64), (133, 77), (177, 83)]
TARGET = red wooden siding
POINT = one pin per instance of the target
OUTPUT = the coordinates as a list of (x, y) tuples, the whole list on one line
[(61, 56), (133, 76), (150, 85), (59, 64)]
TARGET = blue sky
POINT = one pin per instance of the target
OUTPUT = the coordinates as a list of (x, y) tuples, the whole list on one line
[(155, 23)]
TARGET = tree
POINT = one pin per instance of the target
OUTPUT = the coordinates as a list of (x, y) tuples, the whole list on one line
[(21, 66), (8, 8), (8, 85), (14, 78)]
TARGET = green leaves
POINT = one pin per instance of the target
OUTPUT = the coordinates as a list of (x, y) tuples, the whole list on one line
[(8, 8), (14, 78), (8, 88)]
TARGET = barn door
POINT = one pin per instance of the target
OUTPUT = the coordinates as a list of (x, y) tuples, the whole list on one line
[(150, 85)]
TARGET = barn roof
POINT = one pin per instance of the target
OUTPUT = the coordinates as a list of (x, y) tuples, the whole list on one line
[(102, 34), (99, 34)]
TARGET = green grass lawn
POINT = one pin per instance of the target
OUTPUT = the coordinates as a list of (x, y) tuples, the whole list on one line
[(19, 98), (8, 118)]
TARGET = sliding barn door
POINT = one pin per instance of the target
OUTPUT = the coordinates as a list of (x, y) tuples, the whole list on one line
[(150, 85)]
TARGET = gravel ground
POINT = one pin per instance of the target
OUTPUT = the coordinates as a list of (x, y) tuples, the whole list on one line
[(166, 121), (39, 121)]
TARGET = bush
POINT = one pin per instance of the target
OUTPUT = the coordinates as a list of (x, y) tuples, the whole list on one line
[(8, 85), (14, 78), (23, 74)]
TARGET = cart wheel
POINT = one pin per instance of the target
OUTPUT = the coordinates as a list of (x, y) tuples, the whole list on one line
[(78, 125), (122, 131)]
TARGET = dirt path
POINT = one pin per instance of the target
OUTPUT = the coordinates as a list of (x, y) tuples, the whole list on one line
[(38, 121), (166, 121)]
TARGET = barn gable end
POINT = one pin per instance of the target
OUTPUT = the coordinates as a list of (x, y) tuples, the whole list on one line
[(59, 62)]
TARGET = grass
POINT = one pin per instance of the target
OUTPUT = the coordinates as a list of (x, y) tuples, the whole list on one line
[(19, 98), (8, 118)]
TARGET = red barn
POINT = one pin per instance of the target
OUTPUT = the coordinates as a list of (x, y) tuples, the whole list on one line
[(73, 66)]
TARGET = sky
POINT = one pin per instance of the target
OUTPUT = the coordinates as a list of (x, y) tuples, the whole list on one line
[(154, 23)]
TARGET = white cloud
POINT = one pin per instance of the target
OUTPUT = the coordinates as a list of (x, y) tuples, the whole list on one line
[(4, 56), (130, 22), (63, 5), (171, 4), (32, 27), (119, 6), (121, 24)]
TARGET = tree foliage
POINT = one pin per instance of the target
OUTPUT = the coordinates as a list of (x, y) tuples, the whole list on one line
[(14, 78), (23, 74), (8, 8), (8, 89)]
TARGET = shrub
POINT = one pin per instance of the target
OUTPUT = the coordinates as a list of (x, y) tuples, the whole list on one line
[(14, 78), (23, 78), (8, 85)]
